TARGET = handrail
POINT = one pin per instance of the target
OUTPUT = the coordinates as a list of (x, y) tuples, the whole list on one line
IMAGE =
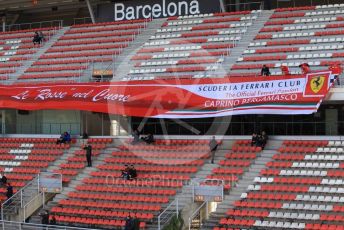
[(194, 214), (166, 209), (24, 26), (30, 226), (249, 4), (34, 198)]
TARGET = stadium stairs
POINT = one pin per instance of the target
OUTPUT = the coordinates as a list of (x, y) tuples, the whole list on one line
[(123, 64), (77, 180), (47, 45), (239, 188), (237, 51)]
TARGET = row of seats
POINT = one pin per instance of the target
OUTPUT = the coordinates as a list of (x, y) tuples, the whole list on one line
[(287, 33), (300, 183), (157, 182)]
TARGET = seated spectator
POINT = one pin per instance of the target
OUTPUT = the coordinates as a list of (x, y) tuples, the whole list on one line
[(305, 68), (36, 39), (128, 223), (52, 221), (259, 140), (132, 172), (254, 139), (64, 138), (149, 139), (126, 173), (265, 71), (136, 135), (3, 180), (41, 37), (85, 136), (285, 70)]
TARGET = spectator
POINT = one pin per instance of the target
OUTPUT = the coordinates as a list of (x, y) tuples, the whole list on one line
[(125, 172), (64, 138), (36, 38), (254, 139), (9, 192), (128, 223), (305, 68), (265, 71), (3, 179), (264, 139), (132, 172), (285, 70), (259, 140), (88, 149), (336, 70), (53, 221), (136, 135), (41, 37), (135, 224), (44, 217), (85, 136), (213, 147), (149, 139)]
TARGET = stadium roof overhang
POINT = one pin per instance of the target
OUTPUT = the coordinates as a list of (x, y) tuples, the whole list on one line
[(31, 6)]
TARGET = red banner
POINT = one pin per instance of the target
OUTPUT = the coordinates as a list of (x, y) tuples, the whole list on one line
[(177, 98)]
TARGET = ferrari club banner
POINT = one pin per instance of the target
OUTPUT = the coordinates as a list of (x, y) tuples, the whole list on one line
[(194, 98)]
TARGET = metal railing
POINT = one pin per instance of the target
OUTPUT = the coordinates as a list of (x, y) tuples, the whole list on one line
[(200, 215), (245, 6), (246, 128), (34, 25), (46, 128), (20, 199), (11, 225), (80, 21), (170, 211)]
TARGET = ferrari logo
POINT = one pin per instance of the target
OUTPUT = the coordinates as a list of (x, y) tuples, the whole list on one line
[(317, 83)]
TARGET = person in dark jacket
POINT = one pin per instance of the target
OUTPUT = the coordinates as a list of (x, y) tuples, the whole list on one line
[(53, 221), (45, 217), (88, 149), (3, 180), (149, 139), (136, 135), (132, 172), (9, 192), (36, 38), (128, 223), (265, 71), (264, 139), (213, 147), (254, 139)]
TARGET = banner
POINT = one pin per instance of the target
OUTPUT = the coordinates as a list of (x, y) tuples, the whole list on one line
[(146, 9), (189, 98)]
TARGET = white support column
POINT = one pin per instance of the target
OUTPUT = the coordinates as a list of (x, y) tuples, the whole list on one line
[(3, 122), (91, 11), (222, 5), (3, 24)]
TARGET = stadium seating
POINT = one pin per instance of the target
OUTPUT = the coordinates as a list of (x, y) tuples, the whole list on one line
[(162, 169), (77, 162), (300, 189), (190, 47), (82, 45), (21, 159), (293, 36), (236, 163), (17, 47)]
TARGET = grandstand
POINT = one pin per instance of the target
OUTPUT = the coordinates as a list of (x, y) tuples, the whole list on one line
[(185, 71)]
